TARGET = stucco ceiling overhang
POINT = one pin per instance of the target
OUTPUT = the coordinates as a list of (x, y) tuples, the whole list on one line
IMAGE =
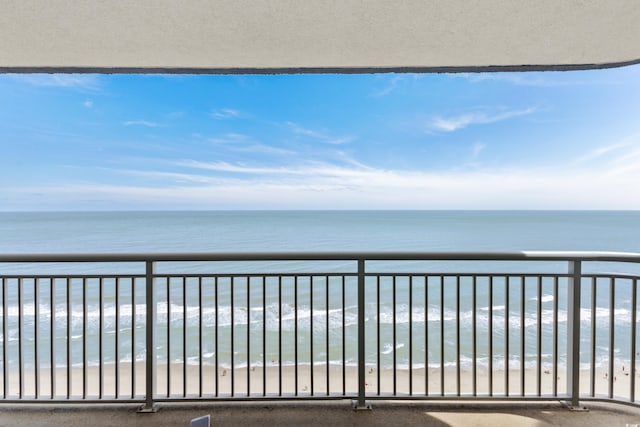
[(265, 36)]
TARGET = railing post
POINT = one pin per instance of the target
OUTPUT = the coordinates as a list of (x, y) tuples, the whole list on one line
[(361, 404), (150, 342), (573, 333)]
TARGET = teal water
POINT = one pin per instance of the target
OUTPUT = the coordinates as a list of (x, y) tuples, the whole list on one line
[(318, 231), (255, 231)]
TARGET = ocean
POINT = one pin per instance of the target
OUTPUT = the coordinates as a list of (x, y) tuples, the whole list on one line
[(331, 231)]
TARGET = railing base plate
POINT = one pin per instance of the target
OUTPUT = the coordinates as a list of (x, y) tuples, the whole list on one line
[(367, 406), (579, 408), (144, 409)]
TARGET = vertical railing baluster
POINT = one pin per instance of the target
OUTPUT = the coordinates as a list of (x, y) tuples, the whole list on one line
[(264, 336), (573, 332), (150, 338), (5, 377), (633, 330), (539, 337), (522, 335), (248, 336), (36, 326), (133, 337), (100, 337), (200, 341), (52, 333), (184, 337), (379, 366), (361, 404), (555, 335), (85, 332), (344, 360), (506, 336), (217, 332), (490, 333), (426, 336), (20, 341), (612, 298), (311, 358), (458, 391), (295, 332), (69, 323), (326, 302), (411, 335), (592, 368), (441, 335), (233, 327), (474, 302), (168, 285), (395, 367), (280, 336), (117, 340)]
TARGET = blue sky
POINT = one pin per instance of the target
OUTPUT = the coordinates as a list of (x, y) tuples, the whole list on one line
[(554, 140)]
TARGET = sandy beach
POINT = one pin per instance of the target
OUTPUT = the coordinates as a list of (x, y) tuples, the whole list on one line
[(282, 381)]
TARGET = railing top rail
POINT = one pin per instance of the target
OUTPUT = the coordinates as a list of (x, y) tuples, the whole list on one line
[(325, 256)]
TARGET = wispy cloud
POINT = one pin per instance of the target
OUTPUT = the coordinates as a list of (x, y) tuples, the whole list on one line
[(392, 85), (616, 152), (239, 142), (79, 81), (454, 123), (172, 176), (144, 123), (309, 170), (319, 135), (541, 80), (229, 138), (601, 151), (477, 149), (262, 149), (225, 113), (88, 103), (314, 186), (394, 82)]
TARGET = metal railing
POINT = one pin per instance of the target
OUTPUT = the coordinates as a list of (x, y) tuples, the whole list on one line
[(359, 326)]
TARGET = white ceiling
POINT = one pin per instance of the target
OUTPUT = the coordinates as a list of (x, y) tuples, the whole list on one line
[(316, 35)]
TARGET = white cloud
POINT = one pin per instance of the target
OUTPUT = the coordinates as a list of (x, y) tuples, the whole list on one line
[(144, 123), (225, 113), (238, 142), (80, 81), (393, 82), (172, 176), (88, 103), (309, 169), (323, 186), (453, 123), (619, 158), (262, 149), (229, 138), (541, 80), (477, 149), (619, 151), (322, 136)]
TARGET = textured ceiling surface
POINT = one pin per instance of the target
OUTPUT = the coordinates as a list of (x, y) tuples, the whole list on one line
[(318, 35)]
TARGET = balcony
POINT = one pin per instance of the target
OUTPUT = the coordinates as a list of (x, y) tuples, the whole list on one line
[(148, 329)]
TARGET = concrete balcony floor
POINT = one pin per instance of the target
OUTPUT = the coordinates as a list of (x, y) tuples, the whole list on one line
[(334, 413)]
